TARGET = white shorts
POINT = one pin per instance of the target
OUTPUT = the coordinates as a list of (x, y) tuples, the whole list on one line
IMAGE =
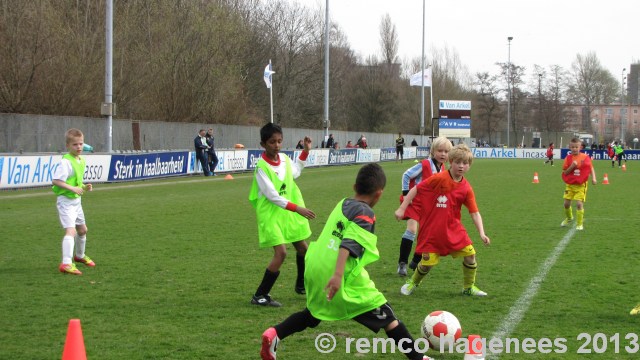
[(70, 212)]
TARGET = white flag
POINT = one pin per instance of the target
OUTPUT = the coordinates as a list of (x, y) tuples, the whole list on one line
[(267, 75), (416, 79)]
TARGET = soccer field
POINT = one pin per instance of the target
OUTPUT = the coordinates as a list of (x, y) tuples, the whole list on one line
[(178, 260)]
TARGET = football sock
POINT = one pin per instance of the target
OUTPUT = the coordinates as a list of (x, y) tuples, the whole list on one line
[(416, 260), (268, 280), (406, 245), (300, 264), (405, 250), (67, 249), (469, 274), (418, 275), (81, 242), (568, 213), (400, 333), (295, 323), (579, 216)]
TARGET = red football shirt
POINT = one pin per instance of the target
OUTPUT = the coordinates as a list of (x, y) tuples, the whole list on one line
[(436, 207), (581, 173)]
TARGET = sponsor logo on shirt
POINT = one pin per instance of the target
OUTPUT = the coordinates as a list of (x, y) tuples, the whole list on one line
[(340, 228), (442, 201)]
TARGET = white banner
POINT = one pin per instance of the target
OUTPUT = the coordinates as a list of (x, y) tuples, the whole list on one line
[(27, 171)]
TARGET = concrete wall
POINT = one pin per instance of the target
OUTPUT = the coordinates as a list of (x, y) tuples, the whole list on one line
[(45, 134)]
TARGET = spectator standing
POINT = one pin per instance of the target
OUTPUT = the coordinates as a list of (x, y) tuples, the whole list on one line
[(414, 143), (212, 157), (300, 145), (400, 148), (330, 141), (201, 147), (362, 142)]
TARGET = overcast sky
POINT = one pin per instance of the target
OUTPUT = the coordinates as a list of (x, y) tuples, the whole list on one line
[(545, 32)]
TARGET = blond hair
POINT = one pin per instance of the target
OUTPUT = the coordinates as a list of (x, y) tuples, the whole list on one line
[(73, 134), (440, 141), (460, 153)]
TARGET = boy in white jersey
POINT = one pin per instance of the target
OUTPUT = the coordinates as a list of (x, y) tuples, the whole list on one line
[(280, 210), (68, 185), (439, 153)]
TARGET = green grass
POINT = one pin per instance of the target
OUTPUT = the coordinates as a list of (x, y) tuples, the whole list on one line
[(178, 260)]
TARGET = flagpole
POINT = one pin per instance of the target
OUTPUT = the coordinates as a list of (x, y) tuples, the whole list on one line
[(431, 94), (422, 87), (271, 93)]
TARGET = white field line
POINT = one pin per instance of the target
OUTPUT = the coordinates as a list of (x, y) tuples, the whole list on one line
[(521, 306)]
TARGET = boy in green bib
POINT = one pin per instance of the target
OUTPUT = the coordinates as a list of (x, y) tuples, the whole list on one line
[(282, 217), (337, 283), (68, 186)]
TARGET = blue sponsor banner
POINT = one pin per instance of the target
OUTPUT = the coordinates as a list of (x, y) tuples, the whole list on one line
[(423, 152), (343, 156), (455, 124), (387, 154), (252, 158), (143, 166), (603, 154)]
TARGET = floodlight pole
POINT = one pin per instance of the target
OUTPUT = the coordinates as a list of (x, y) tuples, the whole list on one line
[(509, 90), (326, 72), (107, 107), (622, 107)]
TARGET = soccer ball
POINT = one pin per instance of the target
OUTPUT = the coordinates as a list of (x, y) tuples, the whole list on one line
[(441, 323)]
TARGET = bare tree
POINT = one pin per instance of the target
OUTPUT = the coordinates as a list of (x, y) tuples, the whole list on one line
[(585, 72), (518, 95), (388, 40), (487, 107), (556, 90)]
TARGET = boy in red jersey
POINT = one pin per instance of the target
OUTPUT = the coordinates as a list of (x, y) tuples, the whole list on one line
[(436, 204), (575, 173), (549, 154)]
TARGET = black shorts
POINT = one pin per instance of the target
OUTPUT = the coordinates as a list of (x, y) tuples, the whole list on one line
[(377, 318), (400, 150)]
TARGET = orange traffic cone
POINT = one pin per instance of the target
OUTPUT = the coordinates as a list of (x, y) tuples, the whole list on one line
[(535, 178), (74, 345), (605, 181), (228, 177), (624, 167), (474, 348)]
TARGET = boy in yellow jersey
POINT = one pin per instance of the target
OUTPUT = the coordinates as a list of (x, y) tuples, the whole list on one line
[(282, 217), (68, 185), (338, 285), (575, 173)]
